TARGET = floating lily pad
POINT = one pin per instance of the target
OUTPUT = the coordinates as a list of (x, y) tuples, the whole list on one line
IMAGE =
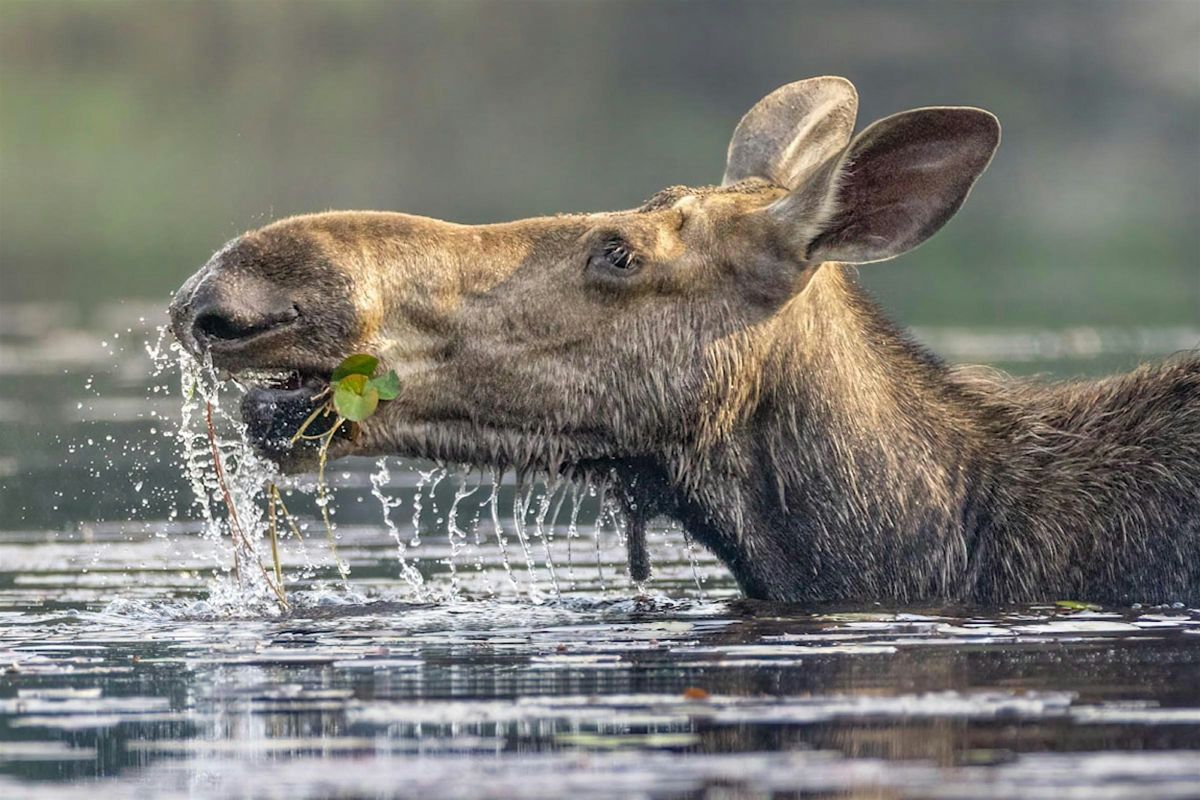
[(1076, 605), (595, 741)]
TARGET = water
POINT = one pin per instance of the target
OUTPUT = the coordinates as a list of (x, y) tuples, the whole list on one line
[(459, 662)]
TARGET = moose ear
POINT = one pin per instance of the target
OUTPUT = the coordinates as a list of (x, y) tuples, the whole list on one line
[(792, 131), (896, 185)]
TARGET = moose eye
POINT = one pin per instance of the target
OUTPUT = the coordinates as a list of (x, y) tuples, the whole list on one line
[(615, 256)]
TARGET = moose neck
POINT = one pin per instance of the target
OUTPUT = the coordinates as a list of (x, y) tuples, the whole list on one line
[(846, 473)]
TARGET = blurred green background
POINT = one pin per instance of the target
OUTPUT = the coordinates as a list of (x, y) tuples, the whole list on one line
[(136, 137)]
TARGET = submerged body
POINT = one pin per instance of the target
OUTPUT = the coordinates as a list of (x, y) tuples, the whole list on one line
[(711, 357)]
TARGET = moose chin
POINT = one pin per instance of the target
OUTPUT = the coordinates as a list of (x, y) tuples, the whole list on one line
[(711, 352)]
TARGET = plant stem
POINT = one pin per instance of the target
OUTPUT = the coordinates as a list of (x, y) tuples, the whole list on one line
[(323, 408), (235, 526), (287, 515), (274, 538), (323, 495)]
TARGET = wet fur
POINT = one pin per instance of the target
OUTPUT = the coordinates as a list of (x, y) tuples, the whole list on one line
[(868, 469)]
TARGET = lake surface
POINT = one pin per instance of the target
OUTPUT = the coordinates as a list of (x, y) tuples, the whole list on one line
[(446, 665)]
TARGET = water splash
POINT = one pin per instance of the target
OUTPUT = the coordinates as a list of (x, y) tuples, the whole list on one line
[(520, 508), (225, 467), (691, 556), (501, 539), (599, 529), (379, 479), (544, 536), (426, 476), (477, 533), (430, 569), (455, 535)]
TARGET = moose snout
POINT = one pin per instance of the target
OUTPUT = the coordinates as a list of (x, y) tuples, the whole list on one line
[(225, 315)]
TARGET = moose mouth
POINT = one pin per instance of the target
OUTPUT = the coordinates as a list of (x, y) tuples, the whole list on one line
[(278, 402)]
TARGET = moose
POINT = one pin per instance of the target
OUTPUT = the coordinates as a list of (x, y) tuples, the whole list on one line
[(712, 352)]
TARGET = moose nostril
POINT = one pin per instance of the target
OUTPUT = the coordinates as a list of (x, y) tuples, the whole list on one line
[(214, 325), (218, 325)]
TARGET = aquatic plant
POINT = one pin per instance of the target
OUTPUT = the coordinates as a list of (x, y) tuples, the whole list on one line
[(353, 395)]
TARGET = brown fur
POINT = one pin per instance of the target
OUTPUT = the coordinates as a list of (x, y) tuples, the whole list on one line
[(738, 380)]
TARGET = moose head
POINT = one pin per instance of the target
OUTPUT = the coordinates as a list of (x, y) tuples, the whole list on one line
[(584, 337), (645, 342)]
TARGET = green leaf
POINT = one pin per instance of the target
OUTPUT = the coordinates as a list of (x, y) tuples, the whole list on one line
[(1077, 605), (388, 385), (355, 398), (357, 364), (594, 741)]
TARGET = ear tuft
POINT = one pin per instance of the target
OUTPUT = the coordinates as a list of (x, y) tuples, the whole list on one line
[(793, 131)]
